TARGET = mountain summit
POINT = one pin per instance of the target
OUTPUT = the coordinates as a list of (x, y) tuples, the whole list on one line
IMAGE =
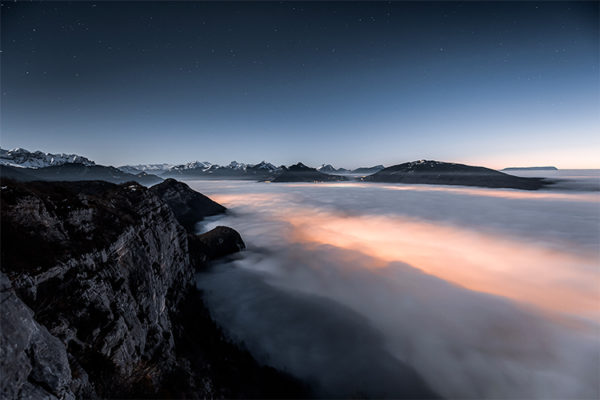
[(26, 159)]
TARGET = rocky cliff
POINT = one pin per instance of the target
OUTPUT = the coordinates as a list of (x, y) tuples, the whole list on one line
[(188, 205), (98, 299)]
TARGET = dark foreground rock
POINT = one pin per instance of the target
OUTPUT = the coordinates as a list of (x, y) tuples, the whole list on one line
[(33, 363), (98, 299), (442, 173)]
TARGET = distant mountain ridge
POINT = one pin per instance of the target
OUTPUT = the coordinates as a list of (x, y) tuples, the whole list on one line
[(76, 172), (23, 165), (443, 173), (330, 169), (23, 158), (368, 170), (301, 173), (548, 168), (199, 169), (152, 168), (205, 169), (234, 170)]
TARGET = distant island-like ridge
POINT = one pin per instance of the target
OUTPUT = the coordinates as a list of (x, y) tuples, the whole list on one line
[(547, 168), (443, 173)]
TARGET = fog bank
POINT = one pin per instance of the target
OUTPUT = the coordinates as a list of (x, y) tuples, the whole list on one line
[(353, 287)]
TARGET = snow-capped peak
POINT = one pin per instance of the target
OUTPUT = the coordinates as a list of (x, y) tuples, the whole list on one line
[(20, 157), (326, 168), (265, 165), (193, 165), (237, 165)]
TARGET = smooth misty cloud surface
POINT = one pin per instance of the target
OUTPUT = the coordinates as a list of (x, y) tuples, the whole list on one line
[(355, 287)]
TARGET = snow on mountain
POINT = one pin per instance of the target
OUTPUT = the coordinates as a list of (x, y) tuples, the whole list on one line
[(204, 165), (330, 169), (237, 165), (234, 165), (26, 159), (265, 165), (327, 168), (145, 168)]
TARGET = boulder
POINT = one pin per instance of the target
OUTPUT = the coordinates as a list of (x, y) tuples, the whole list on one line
[(220, 242), (188, 205)]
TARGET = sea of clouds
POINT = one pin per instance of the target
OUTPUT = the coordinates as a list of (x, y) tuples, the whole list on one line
[(410, 291)]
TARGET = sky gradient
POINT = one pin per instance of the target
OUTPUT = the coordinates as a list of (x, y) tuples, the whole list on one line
[(352, 84)]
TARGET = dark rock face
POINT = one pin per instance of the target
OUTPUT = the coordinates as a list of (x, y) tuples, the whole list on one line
[(441, 173), (220, 242), (111, 263), (34, 363), (188, 205), (301, 173), (95, 281), (66, 220), (77, 172)]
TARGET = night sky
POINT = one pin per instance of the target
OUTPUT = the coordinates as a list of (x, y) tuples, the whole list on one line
[(352, 84)]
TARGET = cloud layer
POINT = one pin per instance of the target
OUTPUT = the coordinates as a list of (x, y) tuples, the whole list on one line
[(484, 293)]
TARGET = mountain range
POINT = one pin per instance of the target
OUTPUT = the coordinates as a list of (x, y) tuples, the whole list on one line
[(206, 169), (330, 169), (23, 158), (23, 165), (441, 173), (20, 164), (234, 170), (301, 173)]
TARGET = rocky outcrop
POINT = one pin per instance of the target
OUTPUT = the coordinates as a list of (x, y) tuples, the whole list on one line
[(188, 205), (220, 242), (97, 279)]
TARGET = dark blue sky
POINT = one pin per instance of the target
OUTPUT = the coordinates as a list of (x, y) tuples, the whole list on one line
[(351, 84)]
